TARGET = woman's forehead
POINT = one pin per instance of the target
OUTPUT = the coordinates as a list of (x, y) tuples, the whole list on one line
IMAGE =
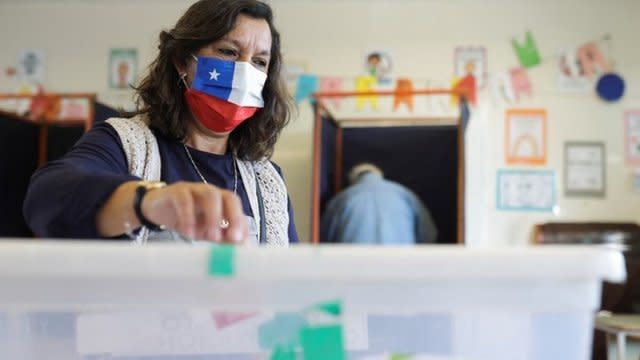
[(250, 31)]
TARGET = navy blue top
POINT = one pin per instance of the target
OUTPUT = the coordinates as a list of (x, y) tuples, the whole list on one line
[(64, 195)]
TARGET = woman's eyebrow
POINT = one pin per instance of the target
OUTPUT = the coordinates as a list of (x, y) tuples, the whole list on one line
[(238, 44)]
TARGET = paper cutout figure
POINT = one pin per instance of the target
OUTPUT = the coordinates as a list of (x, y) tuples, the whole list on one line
[(471, 60), (331, 84), (307, 85), (501, 87), (570, 77), (468, 86), (403, 94), (366, 84), (591, 60), (520, 82), (527, 52)]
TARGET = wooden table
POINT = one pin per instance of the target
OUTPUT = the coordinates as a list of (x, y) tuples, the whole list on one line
[(619, 325)]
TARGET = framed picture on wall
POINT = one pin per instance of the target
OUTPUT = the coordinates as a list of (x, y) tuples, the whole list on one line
[(471, 60), (525, 190), (123, 68), (632, 137), (584, 168), (526, 136)]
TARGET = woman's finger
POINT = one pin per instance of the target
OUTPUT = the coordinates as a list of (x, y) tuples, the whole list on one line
[(209, 204), (238, 229)]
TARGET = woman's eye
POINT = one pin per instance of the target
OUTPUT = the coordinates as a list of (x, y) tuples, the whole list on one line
[(260, 63), (228, 52)]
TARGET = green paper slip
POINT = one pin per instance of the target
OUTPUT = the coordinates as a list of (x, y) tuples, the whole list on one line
[(283, 353), (322, 343), (222, 261), (330, 307)]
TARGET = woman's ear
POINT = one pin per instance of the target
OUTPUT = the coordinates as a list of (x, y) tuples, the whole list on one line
[(180, 66)]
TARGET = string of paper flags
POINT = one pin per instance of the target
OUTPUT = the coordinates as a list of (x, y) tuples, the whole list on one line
[(578, 67)]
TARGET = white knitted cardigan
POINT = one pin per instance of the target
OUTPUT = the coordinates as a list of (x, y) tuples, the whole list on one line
[(143, 157)]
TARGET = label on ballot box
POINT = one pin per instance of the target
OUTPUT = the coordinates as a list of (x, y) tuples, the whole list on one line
[(193, 332)]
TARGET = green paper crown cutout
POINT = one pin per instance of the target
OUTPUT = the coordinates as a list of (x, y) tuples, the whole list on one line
[(528, 52)]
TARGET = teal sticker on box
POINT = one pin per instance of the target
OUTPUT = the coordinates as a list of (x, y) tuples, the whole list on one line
[(222, 260), (284, 353), (282, 331), (330, 307), (322, 343)]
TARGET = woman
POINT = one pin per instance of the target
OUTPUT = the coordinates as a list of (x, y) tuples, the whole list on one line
[(209, 113)]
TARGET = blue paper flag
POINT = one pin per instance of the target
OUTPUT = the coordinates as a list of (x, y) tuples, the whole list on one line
[(307, 85)]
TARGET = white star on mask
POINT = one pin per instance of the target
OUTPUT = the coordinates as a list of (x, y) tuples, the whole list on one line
[(214, 75)]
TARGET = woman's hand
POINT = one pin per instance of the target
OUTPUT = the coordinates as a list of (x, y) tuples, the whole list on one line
[(196, 210)]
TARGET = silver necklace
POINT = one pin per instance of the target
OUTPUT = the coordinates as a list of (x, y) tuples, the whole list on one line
[(235, 170), (224, 223)]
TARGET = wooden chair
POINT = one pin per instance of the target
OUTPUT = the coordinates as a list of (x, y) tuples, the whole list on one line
[(620, 299)]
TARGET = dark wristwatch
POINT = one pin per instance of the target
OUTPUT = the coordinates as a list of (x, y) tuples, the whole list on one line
[(141, 190)]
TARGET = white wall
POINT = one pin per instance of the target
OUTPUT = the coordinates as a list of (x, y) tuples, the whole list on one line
[(331, 36)]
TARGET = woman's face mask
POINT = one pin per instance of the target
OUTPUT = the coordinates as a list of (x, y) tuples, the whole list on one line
[(223, 93)]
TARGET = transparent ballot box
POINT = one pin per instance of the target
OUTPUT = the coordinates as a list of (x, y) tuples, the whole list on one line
[(97, 300)]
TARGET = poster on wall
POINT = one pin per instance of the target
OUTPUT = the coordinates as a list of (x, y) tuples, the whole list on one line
[(632, 137), (525, 190), (378, 63), (584, 168), (471, 61), (526, 136), (31, 66), (571, 77), (123, 67)]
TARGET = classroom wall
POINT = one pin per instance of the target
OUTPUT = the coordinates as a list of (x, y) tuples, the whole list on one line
[(330, 38)]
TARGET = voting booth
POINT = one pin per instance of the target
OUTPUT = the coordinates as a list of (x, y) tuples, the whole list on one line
[(35, 129), (421, 148), (99, 300)]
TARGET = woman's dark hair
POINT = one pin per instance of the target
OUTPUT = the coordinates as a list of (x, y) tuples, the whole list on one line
[(160, 93)]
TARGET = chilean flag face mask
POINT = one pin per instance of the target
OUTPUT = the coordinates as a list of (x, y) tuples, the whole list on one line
[(223, 93)]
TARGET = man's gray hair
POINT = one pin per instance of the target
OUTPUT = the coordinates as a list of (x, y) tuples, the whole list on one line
[(361, 169)]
